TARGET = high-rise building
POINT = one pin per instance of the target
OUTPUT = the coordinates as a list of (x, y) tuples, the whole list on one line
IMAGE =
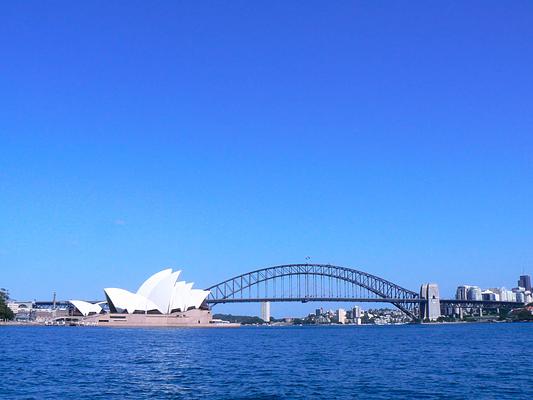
[(462, 292), (520, 294), (265, 311), (341, 315), (525, 282), (505, 295), (489, 295), (474, 293), (527, 297), (520, 297), (356, 315)]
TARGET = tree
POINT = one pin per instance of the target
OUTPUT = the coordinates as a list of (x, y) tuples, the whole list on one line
[(5, 311), (504, 313), (523, 315)]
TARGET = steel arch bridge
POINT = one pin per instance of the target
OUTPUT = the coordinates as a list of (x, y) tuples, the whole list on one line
[(313, 282)]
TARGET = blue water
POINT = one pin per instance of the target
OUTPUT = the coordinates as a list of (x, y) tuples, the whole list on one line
[(481, 361)]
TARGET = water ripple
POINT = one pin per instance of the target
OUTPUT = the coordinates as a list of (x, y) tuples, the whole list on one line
[(382, 362)]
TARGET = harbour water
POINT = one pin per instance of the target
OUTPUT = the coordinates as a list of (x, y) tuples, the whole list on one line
[(478, 361)]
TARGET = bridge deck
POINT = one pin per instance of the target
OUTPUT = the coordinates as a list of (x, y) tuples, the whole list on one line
[(445, 302), (307, 299)]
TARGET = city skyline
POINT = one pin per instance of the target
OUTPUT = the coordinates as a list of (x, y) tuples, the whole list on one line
[(266, 200), (405, 153)]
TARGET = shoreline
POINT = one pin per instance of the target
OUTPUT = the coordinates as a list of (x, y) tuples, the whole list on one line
[(237, 325)]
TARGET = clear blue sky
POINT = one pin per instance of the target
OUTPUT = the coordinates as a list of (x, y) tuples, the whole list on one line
[(394, 137)]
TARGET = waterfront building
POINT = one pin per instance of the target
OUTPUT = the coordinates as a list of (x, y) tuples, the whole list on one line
[(520, 294), (520, 297), (341, 315), (505, 295), (528, 298), (265, 311), (161, 300), (510, 295), (356, 315), (489, 295), (462, 292), (474, 293), (162, 293), (20, 306), (38, 311)]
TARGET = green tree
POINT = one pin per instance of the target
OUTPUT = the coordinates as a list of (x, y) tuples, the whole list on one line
[(5, 311), (504, 313), (523, 315)]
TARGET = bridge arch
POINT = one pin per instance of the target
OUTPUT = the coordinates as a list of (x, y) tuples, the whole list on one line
[(309, 282)]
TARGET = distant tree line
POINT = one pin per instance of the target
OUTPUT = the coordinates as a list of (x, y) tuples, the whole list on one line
[(240, 319), (5, 311)]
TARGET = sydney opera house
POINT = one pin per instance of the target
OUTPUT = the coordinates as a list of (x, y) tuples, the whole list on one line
[(161, 300)]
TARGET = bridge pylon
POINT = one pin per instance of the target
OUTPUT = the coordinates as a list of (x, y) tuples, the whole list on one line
[(430, 308)]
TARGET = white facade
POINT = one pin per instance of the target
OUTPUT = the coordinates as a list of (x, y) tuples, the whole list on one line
[(17, 306), (461, 293), (265, 311), (341, 315), (505, 295), (520, 294), (490, 295), (528, 297), (159, 294), (356, 315), (474, 293)]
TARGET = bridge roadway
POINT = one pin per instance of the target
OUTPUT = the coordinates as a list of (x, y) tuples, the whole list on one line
[(443, 302), (308, 299)]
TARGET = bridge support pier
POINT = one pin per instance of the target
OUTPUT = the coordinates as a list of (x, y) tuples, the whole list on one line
[(430, 309)]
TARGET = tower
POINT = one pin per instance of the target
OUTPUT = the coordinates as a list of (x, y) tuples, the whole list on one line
[(525, 282), (430, 309), (265, 311)]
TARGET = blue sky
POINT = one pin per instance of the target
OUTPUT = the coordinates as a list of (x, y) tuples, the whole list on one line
[(396, 138)]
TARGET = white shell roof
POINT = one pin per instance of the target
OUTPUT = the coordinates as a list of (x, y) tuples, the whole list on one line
[(85, 308), (181, 296), (148, 285), (161, 292), (130, 302), (197, 297)]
